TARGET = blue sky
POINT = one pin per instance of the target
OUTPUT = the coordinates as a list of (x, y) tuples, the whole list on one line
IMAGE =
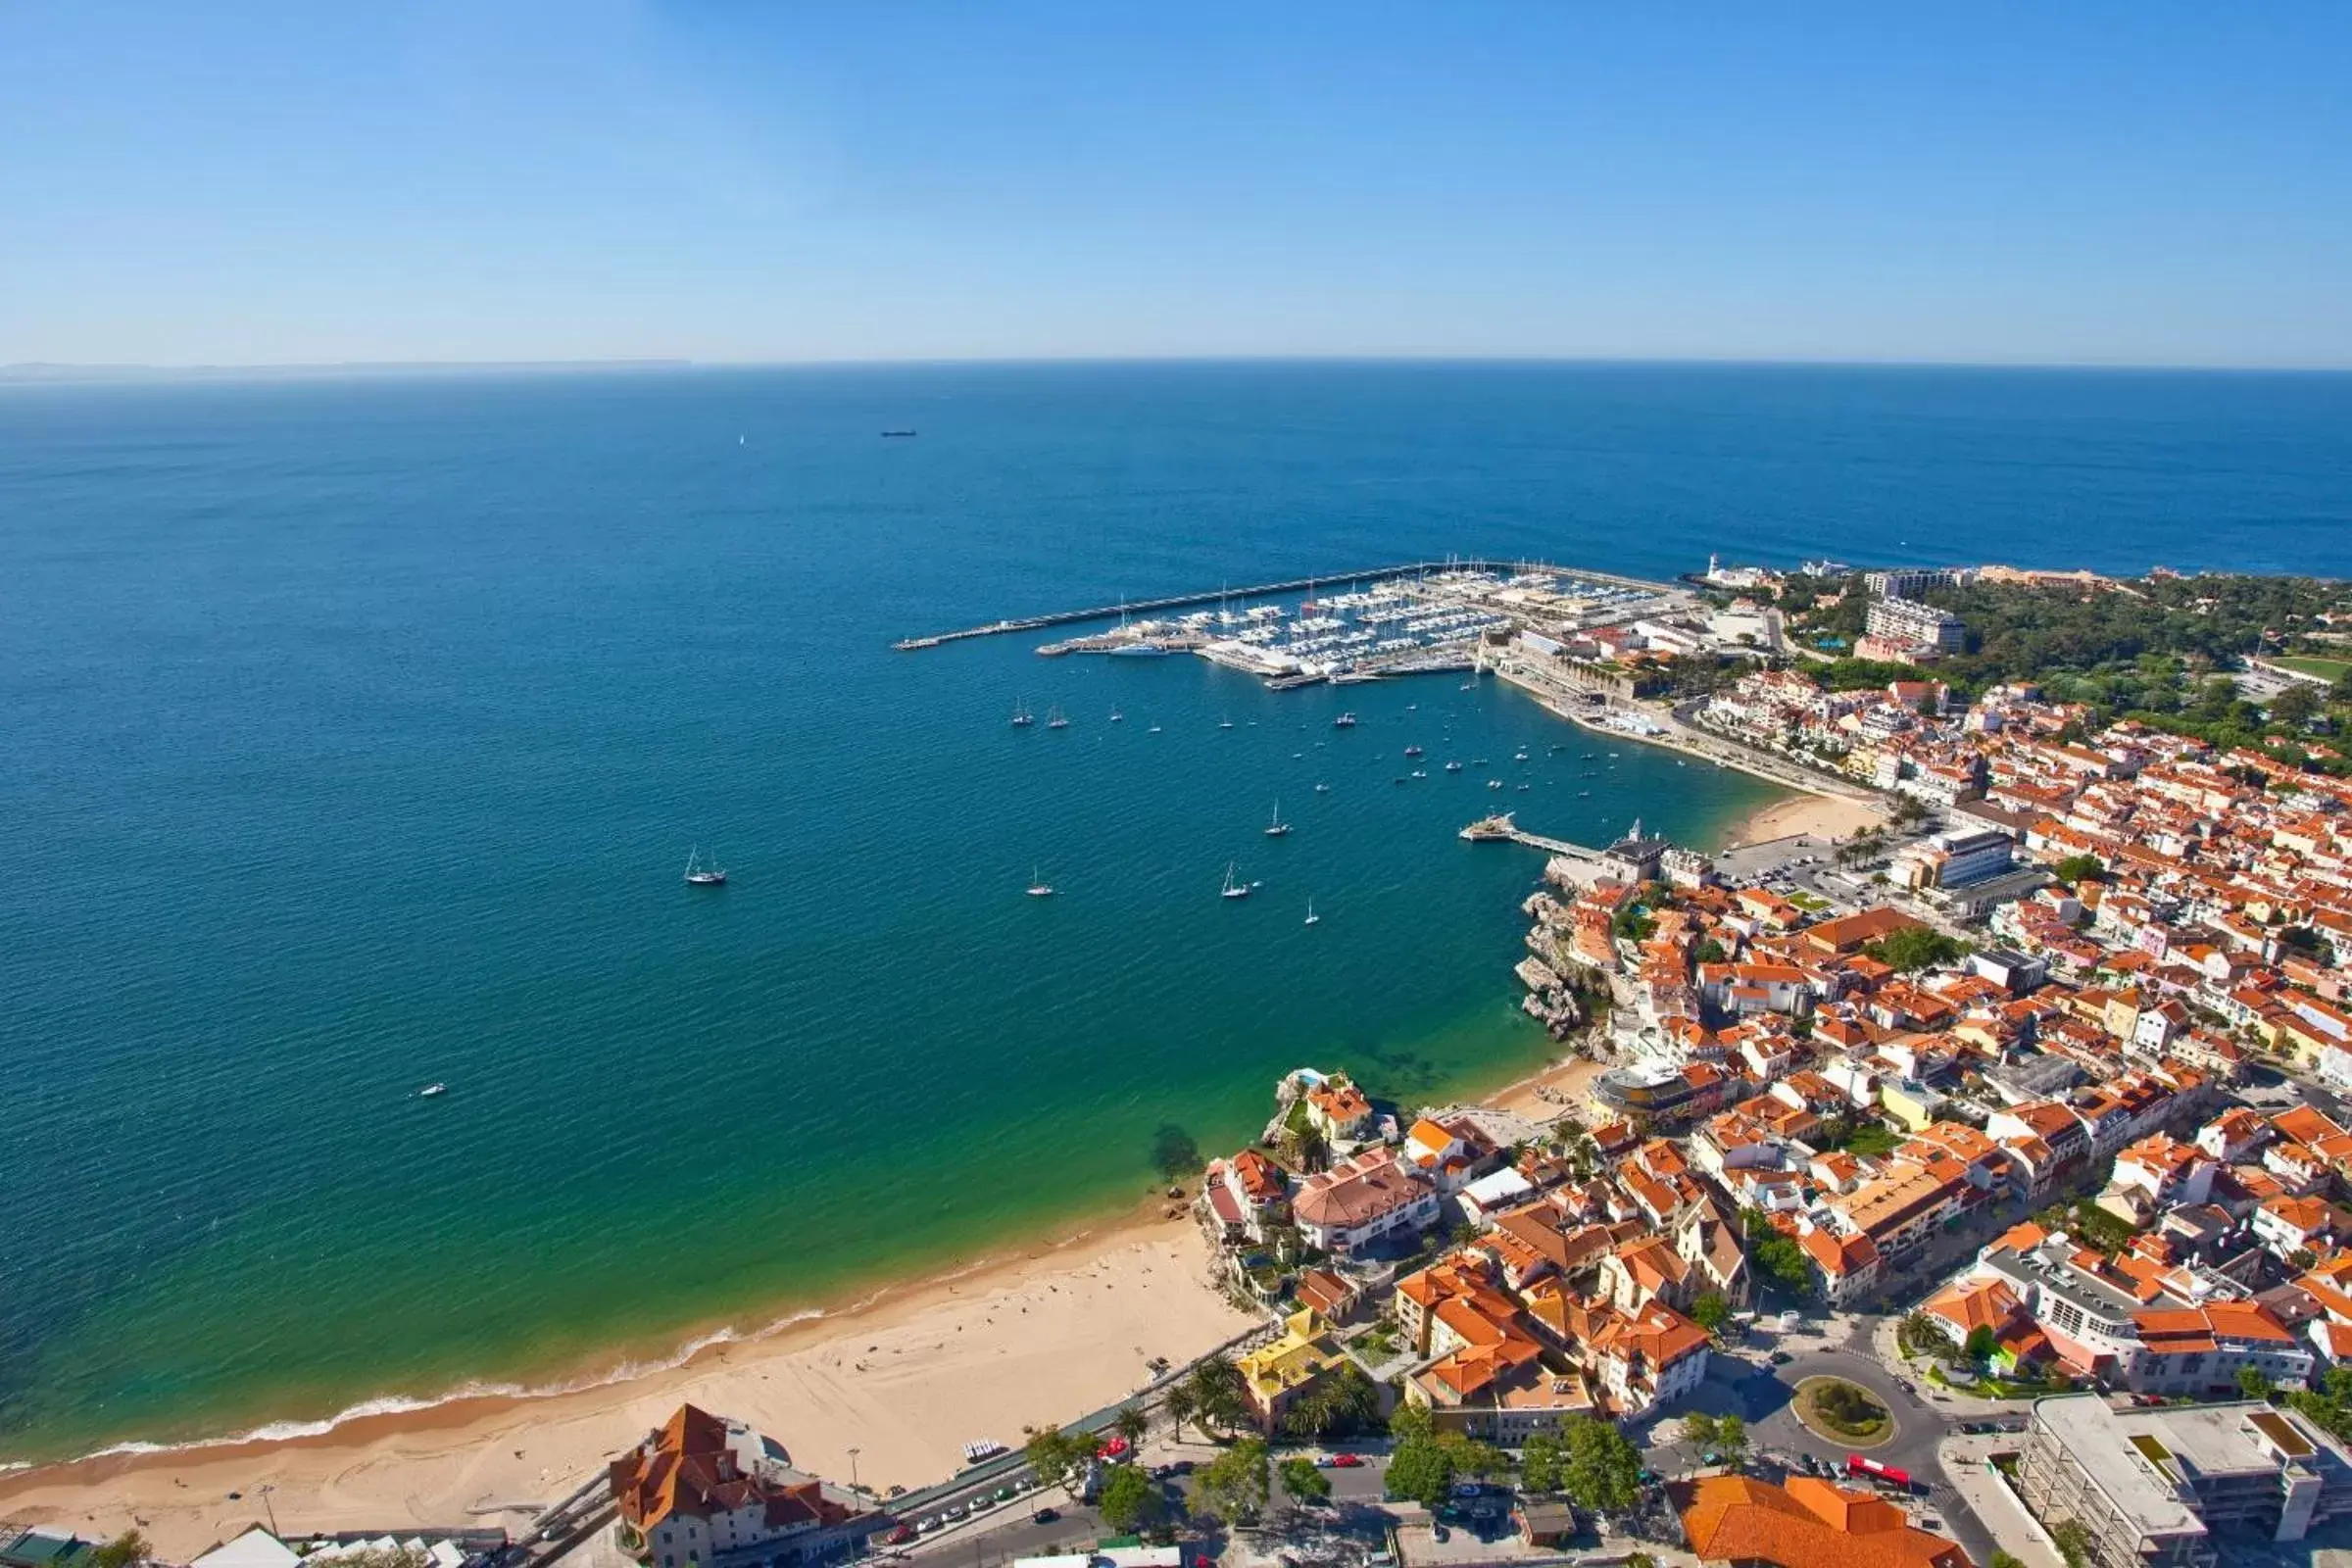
[(249, 183)]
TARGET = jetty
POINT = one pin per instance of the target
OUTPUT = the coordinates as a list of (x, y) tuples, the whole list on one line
[(1502, 829), (1210, 596)]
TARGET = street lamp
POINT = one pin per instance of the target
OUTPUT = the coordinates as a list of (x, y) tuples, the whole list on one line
[(271, 1508), (854, 1452)]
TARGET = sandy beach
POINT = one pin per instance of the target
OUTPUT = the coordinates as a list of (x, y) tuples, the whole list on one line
[(1041, 1336), (1821, 815), (1554, 1091)]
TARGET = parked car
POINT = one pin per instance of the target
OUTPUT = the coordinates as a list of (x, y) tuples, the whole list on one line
[(1781, 1358), (1347, 1461), (899, 1537), (1047, 1516), (1325, 1461), (926, 1524)]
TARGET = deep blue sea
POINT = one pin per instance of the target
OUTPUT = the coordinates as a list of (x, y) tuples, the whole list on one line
[(354, 733)]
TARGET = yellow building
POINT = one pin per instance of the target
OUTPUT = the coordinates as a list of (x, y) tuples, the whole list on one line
[(1275, 1375), (1912, 1107)]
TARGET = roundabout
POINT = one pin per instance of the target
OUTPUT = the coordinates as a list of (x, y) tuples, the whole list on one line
[(1839, 1410)]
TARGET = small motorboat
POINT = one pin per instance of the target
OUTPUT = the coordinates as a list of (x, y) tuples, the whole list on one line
[(1224, 723), (1322, 788), (1412, 751), (432, 1090), (1420, 772), (1154, 730), (1344, 721), (1116, 716), (1453, 767), (1493, 783)]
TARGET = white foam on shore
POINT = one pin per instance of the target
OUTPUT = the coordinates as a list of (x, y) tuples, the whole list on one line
[(405, 1404), (625, 1372)]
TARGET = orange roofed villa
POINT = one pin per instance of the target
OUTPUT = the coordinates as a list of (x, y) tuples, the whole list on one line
[(702, 1491), (1806, 1524)]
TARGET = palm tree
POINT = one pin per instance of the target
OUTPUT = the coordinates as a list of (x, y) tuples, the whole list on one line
[(1178, 1402), (1131, 1423)]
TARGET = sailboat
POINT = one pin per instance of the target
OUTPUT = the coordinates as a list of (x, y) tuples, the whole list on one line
[(1039, 887), (1224, 723), (1311, 916), (1116, 715), (704, 876), (1022, 718), (1233, 889), (1054, 720), (1277, 827)]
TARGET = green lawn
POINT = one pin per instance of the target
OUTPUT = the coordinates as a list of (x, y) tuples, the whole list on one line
[(2313, 665)]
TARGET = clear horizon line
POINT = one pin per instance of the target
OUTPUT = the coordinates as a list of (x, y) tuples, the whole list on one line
[(25, 371)]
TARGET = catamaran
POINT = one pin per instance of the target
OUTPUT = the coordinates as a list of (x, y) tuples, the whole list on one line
[(1277, 827), (1022, 718), (1233, 889), (704, 876)]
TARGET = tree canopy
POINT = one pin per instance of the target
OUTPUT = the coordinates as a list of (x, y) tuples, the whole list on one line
[(1130, 1500), (1235, 1485)]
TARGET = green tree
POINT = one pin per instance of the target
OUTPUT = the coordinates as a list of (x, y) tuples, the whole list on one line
[(1603, 1472), (123, 1551), (2298, 706), (1130, 1500), (2005, 1559), (1303, 1484), (2073, 1542), (1730, 1440), (1421, 1468), (1539, 1460), (1698, 1429), (1131, 1423), (1981, 1344), (1057, 1458), (1915, 947), (1178, 1403), (2252, 1384), (1220, 1400), (1235, 1485), (1412, 1421), (2077, 869), (1338, 1405), (1710, 1312)]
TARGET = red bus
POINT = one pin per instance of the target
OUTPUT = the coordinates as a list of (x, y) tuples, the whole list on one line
[(1857, 1465)]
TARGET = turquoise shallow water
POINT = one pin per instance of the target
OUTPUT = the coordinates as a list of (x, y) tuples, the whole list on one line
[(356, 734)]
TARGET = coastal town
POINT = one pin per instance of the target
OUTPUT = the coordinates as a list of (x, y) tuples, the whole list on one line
[(1959, 1177)]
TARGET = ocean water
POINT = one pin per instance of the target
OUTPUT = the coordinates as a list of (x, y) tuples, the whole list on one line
[(352, 735)]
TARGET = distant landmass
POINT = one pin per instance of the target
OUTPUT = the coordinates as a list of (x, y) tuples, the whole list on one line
[(40, 372)]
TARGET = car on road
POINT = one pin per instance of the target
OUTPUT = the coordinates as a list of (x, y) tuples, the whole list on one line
[(1781, 1358), (1347, 1461), (1004, 1494), (952, 1512), (1325, 1461), (1047, 1516), (899, 1537)]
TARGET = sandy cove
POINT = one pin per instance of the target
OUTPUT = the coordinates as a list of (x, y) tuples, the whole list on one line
[(1035, 1339), (1828, 816)]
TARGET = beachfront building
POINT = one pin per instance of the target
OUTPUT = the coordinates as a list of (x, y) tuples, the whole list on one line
[(702, 1491), (1362, 1201), (1278, 1374)]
